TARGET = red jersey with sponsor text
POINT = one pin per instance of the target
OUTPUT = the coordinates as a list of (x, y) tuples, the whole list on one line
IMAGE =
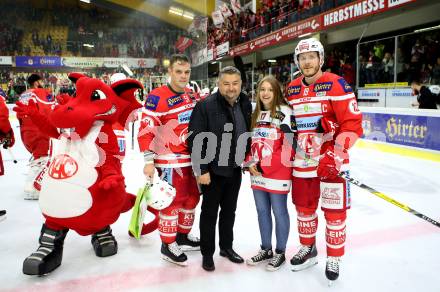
[(35, 141), (273, 153), (330, 98), (164, 126)]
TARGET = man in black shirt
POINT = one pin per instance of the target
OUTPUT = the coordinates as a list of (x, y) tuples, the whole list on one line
[(218, 142), (425, 98)]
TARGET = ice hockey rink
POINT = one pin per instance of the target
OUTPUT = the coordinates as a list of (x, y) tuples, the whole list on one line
[(387, 248)]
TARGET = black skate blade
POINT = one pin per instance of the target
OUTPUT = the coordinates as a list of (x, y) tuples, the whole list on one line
[(182, 264)]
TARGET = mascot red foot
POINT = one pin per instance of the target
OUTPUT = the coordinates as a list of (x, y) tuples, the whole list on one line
[(83, 188)]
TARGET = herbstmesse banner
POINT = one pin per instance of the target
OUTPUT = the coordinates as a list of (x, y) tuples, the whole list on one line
[(310, 25), (343, 14)]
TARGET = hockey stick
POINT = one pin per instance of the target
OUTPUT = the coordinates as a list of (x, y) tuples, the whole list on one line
[(388, 199), (381, 195), (12, 155)]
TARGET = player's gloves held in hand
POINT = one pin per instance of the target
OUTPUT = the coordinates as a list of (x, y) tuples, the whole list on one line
[(330, 164)]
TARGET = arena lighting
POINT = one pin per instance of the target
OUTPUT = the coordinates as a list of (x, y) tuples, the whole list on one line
[(272, 61), (88, 45), (175, 10), (85, 1), (428, 28), (304, 35), (188, 15)]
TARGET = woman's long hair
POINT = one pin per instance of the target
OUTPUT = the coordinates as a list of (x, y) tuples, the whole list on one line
[(278, 98)]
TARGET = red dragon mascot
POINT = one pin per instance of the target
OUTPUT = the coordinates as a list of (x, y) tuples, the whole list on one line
[(83, 188)]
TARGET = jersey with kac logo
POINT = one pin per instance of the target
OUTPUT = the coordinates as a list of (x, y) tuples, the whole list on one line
[(164, 126), (331, 99), (272, 151)]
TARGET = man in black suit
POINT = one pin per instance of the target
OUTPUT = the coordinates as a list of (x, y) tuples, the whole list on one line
[(219, 139)]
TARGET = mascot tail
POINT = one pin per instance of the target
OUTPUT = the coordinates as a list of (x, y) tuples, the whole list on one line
[(148, 227)]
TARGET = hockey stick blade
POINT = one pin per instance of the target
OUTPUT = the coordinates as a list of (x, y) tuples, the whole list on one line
[(388, 199)]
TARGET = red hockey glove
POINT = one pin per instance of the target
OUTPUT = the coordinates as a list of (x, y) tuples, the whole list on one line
[(7, 140), (329, 165)]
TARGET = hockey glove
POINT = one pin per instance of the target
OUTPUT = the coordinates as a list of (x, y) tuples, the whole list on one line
[(329, 165)]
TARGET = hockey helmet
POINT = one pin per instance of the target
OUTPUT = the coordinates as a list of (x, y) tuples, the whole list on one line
[(161, 195), (309, 45)]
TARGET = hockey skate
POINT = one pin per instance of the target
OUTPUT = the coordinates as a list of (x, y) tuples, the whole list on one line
[(35, 167), (2, 215), (187, 242), (305, 258), (104, 243), (49, 254), (173, 254), (262, 256), (332, 269)]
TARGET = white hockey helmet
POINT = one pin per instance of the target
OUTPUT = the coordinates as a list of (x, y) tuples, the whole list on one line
[(161, 195), (309, 45), (117, 77)]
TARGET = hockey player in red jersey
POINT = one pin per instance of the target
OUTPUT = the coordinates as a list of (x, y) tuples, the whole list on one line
[(35, 141), (321, 102), (6, 137), (162, 138)]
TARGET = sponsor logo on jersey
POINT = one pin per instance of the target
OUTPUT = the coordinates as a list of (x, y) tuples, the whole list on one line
[(293, 123), (306, 91), (321, 93), (267, 133), (345, 86), (121, 144), (307, 108), (279, 115), (293, 90), (174, 100), (183, 118), (324, 86), (26, 96), (152, 102), (308, 123)]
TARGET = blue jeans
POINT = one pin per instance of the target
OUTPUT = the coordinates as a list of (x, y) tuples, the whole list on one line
[(265, 202)]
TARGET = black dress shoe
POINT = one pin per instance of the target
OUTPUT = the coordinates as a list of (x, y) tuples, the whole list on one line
[(208, 264), (231, 255)]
